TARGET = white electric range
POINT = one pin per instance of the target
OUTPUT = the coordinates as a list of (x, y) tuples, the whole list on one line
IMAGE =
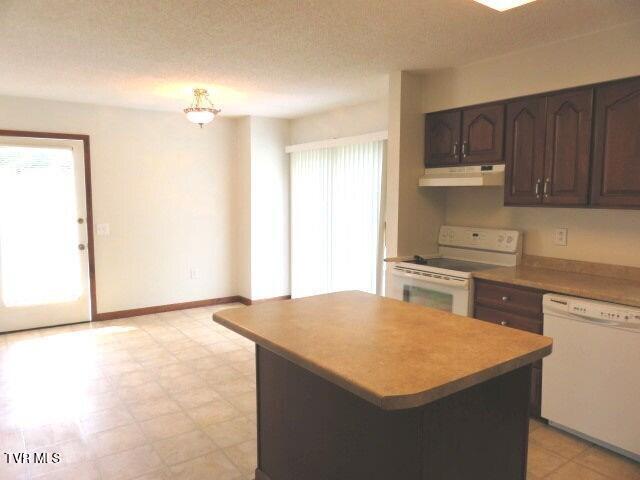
[(444, 281)]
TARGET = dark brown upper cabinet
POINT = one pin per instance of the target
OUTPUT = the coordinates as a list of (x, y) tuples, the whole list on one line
[(548, 149), (442, 138), (483, 135), (472, 136), (616, 158), (568, 148), (571, 148), (524, 158)]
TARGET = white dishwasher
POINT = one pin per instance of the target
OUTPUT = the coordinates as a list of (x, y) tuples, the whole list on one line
[(591, 381)]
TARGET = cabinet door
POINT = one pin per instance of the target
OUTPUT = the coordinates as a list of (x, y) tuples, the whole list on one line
[(524, 156), (442, 139), (483, 134), (568, 150), (616, 159)]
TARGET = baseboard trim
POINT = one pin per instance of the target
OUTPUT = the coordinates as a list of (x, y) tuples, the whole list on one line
[(260, 475), (135, 312), (248, 301), (244, 300)]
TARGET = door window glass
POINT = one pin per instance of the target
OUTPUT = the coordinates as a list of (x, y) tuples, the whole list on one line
[(39, 235)]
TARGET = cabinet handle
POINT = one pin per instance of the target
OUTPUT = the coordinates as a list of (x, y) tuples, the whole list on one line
[(455, 149), (504, 323), (546, 187), (505, 299), (465, 147), (538, 182)]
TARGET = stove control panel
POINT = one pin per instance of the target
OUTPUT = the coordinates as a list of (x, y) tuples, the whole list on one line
[(507, 241)]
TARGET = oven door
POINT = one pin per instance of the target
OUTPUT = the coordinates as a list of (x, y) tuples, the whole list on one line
[(451, 296)]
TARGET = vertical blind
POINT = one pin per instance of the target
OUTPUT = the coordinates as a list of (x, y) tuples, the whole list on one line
[(336, 196)]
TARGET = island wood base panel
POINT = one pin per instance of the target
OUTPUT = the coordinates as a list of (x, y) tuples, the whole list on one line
[(308, 428)]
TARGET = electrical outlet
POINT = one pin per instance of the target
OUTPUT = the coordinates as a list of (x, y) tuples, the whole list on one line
[(560, 236), (193, 273)]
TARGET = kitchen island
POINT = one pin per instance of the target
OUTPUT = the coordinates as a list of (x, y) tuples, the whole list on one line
[(354, 386)]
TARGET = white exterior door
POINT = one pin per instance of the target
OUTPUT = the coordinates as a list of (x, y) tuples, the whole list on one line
[(44, 265)]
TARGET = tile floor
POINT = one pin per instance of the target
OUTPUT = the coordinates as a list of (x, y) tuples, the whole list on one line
[(171, 396)]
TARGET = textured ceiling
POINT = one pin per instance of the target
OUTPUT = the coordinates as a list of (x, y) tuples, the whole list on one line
[(263, 57)]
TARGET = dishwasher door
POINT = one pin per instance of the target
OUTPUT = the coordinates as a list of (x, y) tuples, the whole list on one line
[(591, 381)]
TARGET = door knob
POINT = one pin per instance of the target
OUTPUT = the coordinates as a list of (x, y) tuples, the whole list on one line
[(81, 246), (81, 221), (505, 299)]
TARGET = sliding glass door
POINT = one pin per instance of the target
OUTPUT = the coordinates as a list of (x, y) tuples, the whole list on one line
[(44, 273), (336, 196)]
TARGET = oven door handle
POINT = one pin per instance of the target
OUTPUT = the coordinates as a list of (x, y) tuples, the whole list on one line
[(451, 281)]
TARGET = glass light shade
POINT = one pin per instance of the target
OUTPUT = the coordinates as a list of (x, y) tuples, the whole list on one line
[(201, 116), (503, 5)]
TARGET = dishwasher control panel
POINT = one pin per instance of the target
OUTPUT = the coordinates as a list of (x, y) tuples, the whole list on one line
[(607, 313), (592, 309)]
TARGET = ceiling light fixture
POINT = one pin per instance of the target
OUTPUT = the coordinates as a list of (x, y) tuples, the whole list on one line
[(201, 110), (502, 5)]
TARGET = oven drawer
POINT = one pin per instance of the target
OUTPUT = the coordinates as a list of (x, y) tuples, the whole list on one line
[(508, 319), (509, 298)]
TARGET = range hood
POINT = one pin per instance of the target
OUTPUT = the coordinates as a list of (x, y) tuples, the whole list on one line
[(472, 176)]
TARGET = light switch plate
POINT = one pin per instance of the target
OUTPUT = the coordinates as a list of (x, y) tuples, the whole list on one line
[(102, 229), (560, 237)]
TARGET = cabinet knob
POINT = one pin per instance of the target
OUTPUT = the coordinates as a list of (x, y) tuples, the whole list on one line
[(503, 323), (505, 299)]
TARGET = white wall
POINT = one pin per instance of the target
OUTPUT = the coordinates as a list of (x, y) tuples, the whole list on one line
[(242, 258), (341, 122), (269, 208), (165, 187), (582, 60), (604, 236), (413, 214), (609, 236)]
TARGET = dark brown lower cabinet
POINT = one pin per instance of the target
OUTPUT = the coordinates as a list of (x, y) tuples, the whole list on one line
[(514, 307), (535, 396), (311, 429)]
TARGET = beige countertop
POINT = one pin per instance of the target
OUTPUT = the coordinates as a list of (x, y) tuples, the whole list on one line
[(394, 354), (608, 283)]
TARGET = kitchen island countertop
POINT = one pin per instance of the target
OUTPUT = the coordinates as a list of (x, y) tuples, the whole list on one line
[(393, 354)]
